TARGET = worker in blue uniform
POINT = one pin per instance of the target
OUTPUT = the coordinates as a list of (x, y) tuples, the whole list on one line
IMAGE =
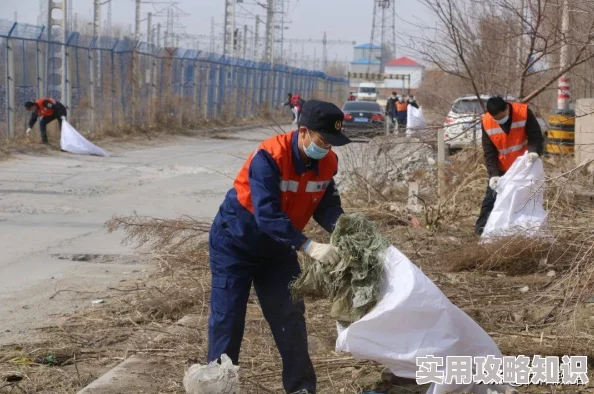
[(258, 231)]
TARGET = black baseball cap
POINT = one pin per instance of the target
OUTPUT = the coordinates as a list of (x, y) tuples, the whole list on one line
[(326, 119)]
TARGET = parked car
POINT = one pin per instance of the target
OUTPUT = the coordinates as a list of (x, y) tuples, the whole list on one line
[(363, 117), (463, 122)]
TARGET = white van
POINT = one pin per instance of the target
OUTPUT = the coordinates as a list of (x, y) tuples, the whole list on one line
[(367, 92)]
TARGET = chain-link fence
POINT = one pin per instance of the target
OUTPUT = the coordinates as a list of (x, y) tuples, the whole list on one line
[(108, 83)]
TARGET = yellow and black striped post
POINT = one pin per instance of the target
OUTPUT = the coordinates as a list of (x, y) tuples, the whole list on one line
[(561, 133)]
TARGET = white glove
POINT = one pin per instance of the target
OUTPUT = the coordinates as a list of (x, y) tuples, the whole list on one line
[(63, 118), (493, 182), (28, 130), (532, 157), (324, 253)]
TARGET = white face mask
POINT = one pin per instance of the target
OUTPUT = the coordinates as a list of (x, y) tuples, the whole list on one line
[(502, 121)]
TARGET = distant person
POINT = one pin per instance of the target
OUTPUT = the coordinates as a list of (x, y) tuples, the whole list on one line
[(509, 130), (401, 112), (297, 104), (47, 109), (351, 97), (391, 107), (289, 104), (412, 102)]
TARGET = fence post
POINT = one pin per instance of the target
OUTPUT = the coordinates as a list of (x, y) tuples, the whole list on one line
[(10, 75), (67, 74), (441, 164), (247, 96), (182, 82), (195, 79), (92, 86), (135, 83), (215, 93), (113, 97)]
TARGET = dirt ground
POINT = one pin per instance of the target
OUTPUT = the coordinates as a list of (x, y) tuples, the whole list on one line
[(513, 299)]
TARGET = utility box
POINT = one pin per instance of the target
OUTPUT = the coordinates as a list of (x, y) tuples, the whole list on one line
[(584, 132)]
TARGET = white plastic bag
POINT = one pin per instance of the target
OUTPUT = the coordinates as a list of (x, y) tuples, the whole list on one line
[(415, 319), (415, 121), (296, 113), (213, 378), (519, 204), (71, 141)]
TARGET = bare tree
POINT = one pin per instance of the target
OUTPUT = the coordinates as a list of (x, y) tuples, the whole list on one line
[(506, 46)]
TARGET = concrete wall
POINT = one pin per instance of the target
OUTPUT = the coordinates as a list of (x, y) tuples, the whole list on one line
[(584, 131)]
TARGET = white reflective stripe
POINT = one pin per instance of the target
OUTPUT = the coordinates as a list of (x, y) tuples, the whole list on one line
[(521, 123), (313, 187), (289, 186), (514, 148), (493, 131)]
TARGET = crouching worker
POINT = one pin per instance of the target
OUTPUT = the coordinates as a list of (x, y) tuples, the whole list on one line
[(509, 130), (47, 109), (258, 231)]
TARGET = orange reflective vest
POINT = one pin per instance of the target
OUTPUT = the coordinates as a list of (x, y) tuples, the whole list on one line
[(300, 194), (512, 145), (401, 107), (42, 110)]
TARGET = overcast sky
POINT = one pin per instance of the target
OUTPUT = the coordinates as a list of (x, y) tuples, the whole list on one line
[(341, 19)]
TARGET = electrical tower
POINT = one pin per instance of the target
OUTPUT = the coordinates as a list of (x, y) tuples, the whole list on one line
[(383, 31)]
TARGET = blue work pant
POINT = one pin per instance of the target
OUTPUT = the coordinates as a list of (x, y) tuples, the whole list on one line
[(233, 272)]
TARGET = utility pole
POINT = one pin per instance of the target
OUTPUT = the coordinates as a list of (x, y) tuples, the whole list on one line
[(304, 65), (149, 27), (158, 34), (324, 52), (282, 26), (256, 38), (245, 41), (56, 58), (96, 18), (167, 32), (212, 35), (268, 52), (137, 22), (97, 35), (229, 32), (564, 92), (109, 18)]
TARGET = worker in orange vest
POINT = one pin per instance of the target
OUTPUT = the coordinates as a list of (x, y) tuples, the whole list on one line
[(47, 109), (509, 130), (258, 231), (401, 112)]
